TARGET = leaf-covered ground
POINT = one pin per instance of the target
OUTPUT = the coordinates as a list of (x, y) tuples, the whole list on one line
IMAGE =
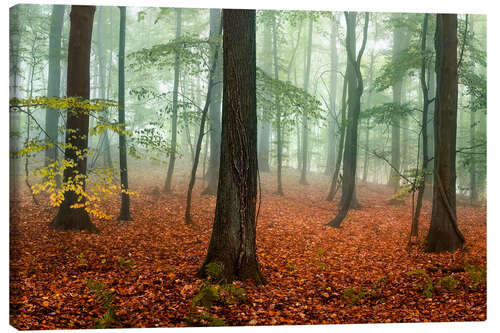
[(360, 273)]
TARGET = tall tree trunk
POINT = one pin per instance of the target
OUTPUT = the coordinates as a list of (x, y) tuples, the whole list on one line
[(444, 234), (430, 122), (173, 144), (305, 125), (232, 245), (472, 135), (211, 76), (14, 92), (54, 83), (265, 124), (330, 159), (125, 199), (279, 144), (368, 104), (77, 121), (394, 178), (214, 109), (425, 112), (355, 91)]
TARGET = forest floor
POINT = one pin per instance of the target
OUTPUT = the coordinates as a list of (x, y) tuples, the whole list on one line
[(360, 273)]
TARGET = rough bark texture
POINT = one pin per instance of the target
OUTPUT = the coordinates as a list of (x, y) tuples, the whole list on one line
[(14, 92), (54, 80), (214, 110), (125, 198), (355, 90), (173, 144), (77, 122), (232, 245), (444, 234)]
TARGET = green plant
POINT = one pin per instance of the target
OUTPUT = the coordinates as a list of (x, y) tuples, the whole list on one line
[(291, 265), (477, 274), (207, 296), (213, 271), (82, 261), (107, 302), (124, 262), (354, 295), (448, 282), (318, 261), (426, 285)]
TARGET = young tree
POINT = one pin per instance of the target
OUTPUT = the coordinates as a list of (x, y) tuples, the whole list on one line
[(214, 110), (355, 90), (232, 245), (444, 234), (173, 144), (279, 137), (330, 160), (54, 81), (69, 216), (125, 198)]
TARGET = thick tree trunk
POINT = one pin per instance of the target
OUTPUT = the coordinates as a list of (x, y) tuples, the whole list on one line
[(232, 245), (214, 110), (125, 198), (54, 82), (444, 234), (305, 120), (173, 144), (355, 91), (430, 122), (77, 122), (330, 159)]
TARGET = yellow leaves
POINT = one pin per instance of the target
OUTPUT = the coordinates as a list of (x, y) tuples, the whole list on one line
[(62, 103)]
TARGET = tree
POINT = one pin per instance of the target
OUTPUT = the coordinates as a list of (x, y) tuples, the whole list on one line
[(355, 91), (330, 161), (305, 129), (54, 81), (125, 198), (444, 234), (173, 144), (232, 245), (72, 214), (214, 111), (279, 139)]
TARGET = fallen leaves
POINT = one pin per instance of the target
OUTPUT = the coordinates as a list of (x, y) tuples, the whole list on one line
[(149, 264)]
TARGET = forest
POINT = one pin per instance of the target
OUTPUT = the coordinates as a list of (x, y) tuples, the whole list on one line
[(234, 167)]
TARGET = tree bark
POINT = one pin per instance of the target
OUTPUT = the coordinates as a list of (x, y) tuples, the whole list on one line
[(444, 234), (173, 144), (279, 144), (330, 159), (77, 121), (54, 83), (355, 91), (125, 198), (214, 109), (232, 245), (305, 125)]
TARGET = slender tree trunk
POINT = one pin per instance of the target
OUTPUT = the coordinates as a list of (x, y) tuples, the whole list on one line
[(444, 234), (173, 147), (265, 128), (368, 104), (425, 111), (430, 122), (54, 83), (355, 91), (334, 185), (305, 125), (125, 199), (77, 121), (472, 135), (214, 110), (330, 159), (232, 245), (394, 178), (279, 144), (213, 68)]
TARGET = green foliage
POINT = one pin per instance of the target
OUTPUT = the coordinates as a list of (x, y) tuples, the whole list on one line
[(402, 194), (427, 286), (384, 113), (207, 296), (477, 274), (122, 263), (213, 271), (202, 319), (354, 295), (448, 282), (106, 298), (319, 259)]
